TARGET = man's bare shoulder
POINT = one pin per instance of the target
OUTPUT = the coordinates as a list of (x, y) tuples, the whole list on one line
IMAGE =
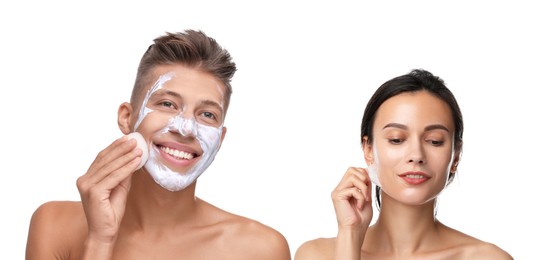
[(59, 212), (320, 248), (61, 207), (55, 228), (254, 239)]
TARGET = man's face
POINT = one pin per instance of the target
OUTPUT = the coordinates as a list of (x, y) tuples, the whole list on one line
[(182, 118)]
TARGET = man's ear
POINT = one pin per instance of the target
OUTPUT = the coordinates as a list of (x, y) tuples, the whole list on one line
[(223, 134), (125, 112), (368, 152)]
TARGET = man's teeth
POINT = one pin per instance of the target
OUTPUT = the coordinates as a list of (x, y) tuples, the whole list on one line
[(177, 153), (415, 176)]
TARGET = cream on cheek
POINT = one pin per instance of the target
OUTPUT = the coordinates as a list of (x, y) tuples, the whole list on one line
[(373, 168), (384, 165), (208, 137), (389, 160)]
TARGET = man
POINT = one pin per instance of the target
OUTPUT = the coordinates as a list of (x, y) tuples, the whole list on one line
[(178, 105)]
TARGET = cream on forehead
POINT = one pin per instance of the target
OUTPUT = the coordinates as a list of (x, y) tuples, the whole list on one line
[(221, 91), (144, 110), (159, 84)]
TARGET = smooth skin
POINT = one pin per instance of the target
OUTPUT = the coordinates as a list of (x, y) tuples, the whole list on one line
[(412, 131), (125, 214)]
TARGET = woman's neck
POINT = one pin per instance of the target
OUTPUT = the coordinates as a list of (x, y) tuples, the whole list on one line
[(403, 229)]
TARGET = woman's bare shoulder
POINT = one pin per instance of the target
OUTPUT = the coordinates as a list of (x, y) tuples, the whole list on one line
[(473, 248), (320, 248), (485, 250)]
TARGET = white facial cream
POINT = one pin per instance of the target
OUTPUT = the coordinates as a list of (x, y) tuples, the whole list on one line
[(373, 168), (373, 174), (208, 137)]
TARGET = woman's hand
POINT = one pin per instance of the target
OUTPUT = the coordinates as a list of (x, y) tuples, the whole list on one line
[(352, 200), (353, 207)]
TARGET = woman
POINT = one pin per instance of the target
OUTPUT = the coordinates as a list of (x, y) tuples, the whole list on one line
[(412, 141)]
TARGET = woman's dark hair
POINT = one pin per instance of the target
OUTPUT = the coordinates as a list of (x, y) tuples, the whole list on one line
[(416, 80)]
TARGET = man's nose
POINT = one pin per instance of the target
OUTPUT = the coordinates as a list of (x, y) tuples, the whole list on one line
[(185, 126)]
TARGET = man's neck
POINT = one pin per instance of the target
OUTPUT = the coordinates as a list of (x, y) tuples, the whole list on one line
[(150, 206)]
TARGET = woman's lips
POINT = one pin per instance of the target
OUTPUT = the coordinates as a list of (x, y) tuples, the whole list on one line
[(414, 178)]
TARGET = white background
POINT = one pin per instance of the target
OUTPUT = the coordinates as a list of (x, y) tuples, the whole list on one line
[(305, 72)]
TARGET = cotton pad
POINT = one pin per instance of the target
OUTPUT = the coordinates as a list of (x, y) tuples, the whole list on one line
[(141, 144), (373, 174)]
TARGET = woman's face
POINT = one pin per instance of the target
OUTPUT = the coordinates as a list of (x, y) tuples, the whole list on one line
[(413, 146)]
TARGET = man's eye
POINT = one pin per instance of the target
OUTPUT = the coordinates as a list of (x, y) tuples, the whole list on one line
[(167, 104), (208, 115)]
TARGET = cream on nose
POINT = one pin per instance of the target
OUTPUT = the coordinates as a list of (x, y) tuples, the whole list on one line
[(188, 127), (184, 126)]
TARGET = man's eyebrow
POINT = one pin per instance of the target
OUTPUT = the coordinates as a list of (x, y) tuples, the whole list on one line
[(205, 102), (427, 128), (165, 92), (212, 103)]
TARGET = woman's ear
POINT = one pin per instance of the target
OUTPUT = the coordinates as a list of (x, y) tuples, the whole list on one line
[(124, 117), (456, 158), (367, 150)]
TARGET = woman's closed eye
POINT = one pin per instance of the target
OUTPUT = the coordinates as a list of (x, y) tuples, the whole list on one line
[(395, 140), (436, 142)]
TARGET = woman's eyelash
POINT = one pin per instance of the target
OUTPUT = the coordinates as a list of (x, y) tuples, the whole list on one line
[(395, 140), (436, 142)]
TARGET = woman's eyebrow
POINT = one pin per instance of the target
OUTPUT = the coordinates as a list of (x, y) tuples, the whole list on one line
[(436, 126), (427, 128), (396, 125)]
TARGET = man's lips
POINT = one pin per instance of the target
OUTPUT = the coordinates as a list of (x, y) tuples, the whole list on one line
[(414, 178), (180, 154)]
